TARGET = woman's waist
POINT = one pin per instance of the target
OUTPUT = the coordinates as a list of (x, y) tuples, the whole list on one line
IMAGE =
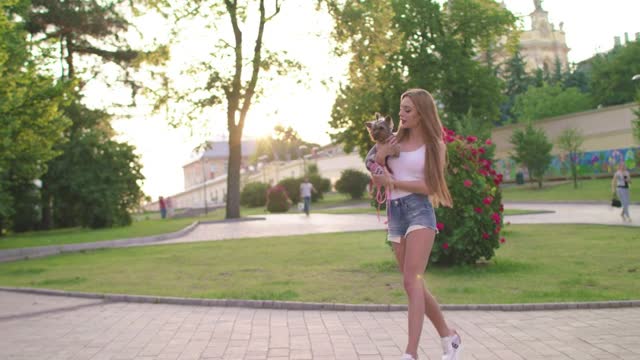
[(401, 196)]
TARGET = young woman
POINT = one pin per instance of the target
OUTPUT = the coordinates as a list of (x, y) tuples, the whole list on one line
[(417, 185), (620, 185)]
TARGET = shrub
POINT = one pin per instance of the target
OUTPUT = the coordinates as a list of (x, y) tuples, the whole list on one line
[(292, 186), (470, 230), (278, 200), (254, 194), (322, 185), (352, 182)]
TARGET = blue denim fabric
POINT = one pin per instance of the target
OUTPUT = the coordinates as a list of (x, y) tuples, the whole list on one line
[(307, 204), (409, 213)]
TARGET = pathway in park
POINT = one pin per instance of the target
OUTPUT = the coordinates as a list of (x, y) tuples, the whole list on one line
[(298, 224), (53, 327)]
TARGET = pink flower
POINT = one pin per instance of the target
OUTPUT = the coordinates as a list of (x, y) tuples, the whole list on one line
[(440, 226), (496, 218), (485, 236), (497, 230), (488, 142), (488, 200), (468, 183), (482, 150), (483, 172), (445, 246), (502, 240), (471, 139), (478, 210), (501, 207)]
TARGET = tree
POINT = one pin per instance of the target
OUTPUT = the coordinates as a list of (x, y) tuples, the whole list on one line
[(93, 31), (400, 44), (517, 82), (96, 181), (226, 81), (610, 74), (636, 122), (283, 144), (570, 143), (31, 120), (549, 100), (532, 150)]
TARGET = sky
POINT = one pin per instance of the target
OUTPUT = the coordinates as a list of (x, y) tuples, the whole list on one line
[(304, 99)]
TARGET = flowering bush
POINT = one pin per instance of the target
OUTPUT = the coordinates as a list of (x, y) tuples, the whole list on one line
[(469, 231), (278, 200)]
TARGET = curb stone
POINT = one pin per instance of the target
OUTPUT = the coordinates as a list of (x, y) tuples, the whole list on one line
[(42, 251), (297, 305)]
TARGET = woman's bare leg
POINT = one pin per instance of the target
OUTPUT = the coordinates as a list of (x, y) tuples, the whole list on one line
[(431, 306), (417, 245)]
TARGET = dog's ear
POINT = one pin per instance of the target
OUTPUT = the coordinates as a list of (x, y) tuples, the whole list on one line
[(389, 121), (370, 124)]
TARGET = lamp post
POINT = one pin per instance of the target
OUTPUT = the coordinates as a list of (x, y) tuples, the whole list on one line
[(263, 160), (204, 186), (301, 151), (203, 147)]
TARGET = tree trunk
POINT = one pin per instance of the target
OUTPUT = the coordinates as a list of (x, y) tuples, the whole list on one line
[(233, 174), (46, 222)]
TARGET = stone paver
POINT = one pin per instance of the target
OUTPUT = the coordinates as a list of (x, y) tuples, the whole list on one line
[(572, 213), (282, 225), (51, 327), (46, 327)]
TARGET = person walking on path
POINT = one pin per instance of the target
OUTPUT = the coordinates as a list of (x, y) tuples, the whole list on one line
[(305, 193), (620, 185), (163, 207), (417, 185)]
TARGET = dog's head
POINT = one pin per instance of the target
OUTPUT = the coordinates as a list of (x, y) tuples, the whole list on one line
[(381, 128)]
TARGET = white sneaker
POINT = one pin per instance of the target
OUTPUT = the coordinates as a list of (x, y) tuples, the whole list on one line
[(407, 357), (451, 347)]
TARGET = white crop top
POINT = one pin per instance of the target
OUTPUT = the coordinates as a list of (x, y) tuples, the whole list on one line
[(409, 166)]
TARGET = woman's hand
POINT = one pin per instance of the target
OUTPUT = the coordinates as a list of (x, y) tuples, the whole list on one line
[(384, 150), (385, 180)]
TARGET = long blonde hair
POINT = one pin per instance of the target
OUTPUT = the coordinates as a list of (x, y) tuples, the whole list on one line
[(435, 162)]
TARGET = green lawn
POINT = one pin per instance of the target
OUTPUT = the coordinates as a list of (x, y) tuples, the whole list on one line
[(539, 263), (141, 228), (597, 189)]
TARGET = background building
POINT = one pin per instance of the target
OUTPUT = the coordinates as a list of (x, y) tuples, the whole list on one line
[(214, 162)]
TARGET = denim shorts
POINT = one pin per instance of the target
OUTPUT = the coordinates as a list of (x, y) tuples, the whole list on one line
[(409, 213)]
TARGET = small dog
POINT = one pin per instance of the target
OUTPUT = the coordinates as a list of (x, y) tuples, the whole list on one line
[(381, 131)]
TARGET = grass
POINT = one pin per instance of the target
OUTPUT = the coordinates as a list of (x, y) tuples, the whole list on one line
[(539, 263), (588, 190), (141, 228)]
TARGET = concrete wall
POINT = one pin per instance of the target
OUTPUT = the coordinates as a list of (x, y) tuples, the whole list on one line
[(606, 128)]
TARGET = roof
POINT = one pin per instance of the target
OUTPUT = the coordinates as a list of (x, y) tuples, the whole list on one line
[(220, 149)]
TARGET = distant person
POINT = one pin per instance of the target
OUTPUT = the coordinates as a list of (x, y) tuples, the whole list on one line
[(163, 207), (305, 193), (620, 185), (170, 207)]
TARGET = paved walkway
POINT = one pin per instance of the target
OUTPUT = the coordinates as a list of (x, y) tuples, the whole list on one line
[(298, 224), (47, 327), (43, 327)]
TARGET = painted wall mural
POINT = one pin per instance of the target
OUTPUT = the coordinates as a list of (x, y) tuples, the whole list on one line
[(589, 163)]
